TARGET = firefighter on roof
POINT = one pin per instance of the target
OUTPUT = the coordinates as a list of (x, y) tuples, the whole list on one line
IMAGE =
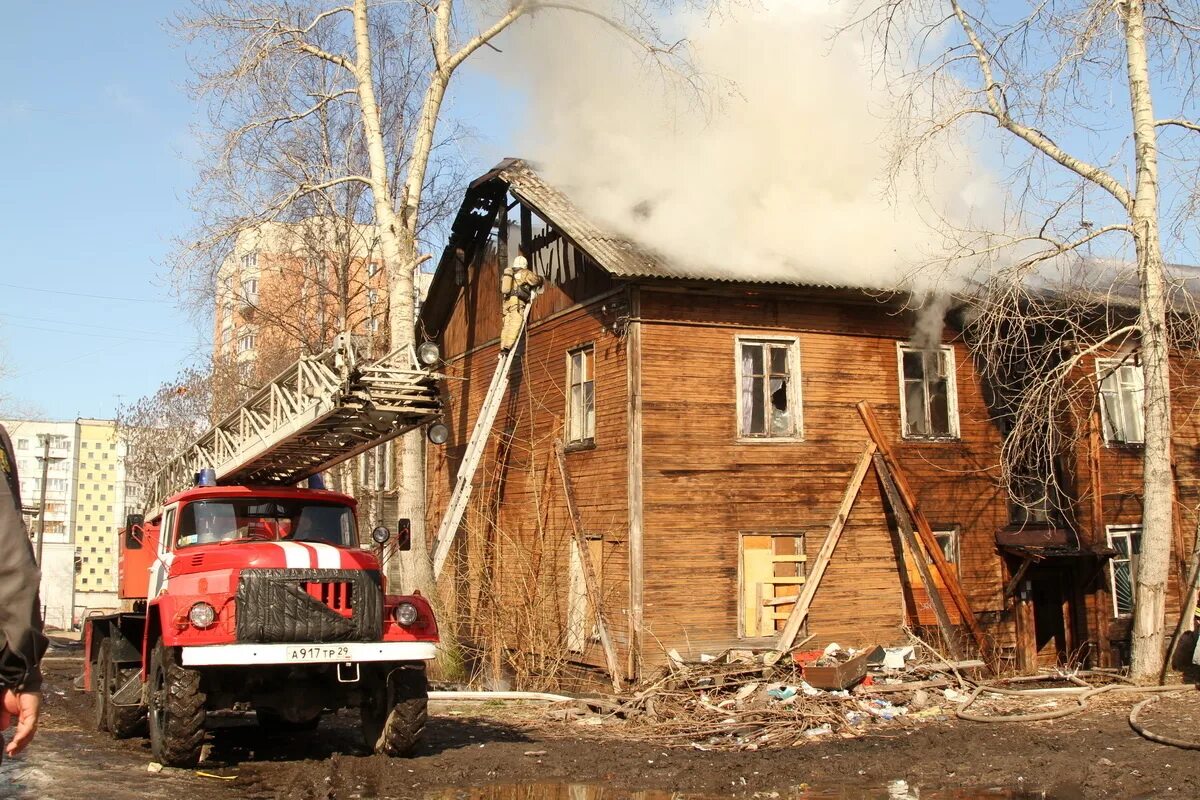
[(518, 285)]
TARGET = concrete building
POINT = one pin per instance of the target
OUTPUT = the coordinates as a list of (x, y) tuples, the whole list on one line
[(99, 512), (289, 288), (86, 491), (28, 436)]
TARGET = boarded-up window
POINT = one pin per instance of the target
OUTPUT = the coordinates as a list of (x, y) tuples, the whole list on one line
[(769, 388), (581, 627), (772, 570), (581, 395), (928, 396), (1127, 541), (1121, 398), (948, 540)]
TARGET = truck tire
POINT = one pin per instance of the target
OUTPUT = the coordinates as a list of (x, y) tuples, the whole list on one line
[(396, 731), (100, 683), (176, 710)]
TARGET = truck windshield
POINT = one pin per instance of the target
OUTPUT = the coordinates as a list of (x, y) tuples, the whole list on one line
[(231, 519)]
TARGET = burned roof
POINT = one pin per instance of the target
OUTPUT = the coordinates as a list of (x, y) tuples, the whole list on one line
[(1108, 282), (617, 255)]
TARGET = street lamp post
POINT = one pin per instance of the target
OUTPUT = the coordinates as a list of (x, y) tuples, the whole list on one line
[(45, 458)]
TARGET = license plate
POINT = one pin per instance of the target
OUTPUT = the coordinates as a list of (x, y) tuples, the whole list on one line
[(318, 652)]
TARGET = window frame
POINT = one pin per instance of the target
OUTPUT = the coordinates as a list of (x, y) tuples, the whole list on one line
[(588, 440), (1128, 531), (955, 433), (1111, 367), (795, 396)]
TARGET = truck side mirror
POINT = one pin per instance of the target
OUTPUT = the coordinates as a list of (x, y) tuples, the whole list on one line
[(133, 531), (404, 534)]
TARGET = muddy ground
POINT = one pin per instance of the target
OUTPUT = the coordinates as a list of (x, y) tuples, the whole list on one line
[(1094, 754)]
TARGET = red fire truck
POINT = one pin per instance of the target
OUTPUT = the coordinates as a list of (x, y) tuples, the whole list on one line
[(244, 593)]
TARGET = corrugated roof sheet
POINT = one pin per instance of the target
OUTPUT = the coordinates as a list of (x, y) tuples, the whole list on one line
[(617, 255)]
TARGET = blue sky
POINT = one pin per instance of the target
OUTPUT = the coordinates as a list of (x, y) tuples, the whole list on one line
[(97, 148)]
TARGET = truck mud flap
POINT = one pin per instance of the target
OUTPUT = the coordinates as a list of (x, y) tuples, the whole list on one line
[(309, 605), (130, 694)]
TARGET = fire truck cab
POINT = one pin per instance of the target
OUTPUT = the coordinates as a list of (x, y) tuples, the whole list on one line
[(245, 598)]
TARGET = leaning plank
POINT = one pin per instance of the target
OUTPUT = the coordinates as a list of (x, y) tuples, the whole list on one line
[(924, 531), (904, 524), (589, 576), (800, 610)]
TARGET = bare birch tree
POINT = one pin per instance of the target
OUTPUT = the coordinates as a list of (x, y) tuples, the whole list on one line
[(398, 171), (1050, 77)]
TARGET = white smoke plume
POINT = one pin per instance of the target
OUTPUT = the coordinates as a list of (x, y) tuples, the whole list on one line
[(784, 179)]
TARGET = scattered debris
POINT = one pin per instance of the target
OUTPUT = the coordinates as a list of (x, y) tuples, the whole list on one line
[(748, 700)]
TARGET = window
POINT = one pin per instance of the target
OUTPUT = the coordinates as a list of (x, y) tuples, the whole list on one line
[(928, 396), (372, 268), (768, 395), (948, 540), (250, 291), (246, 343), (372, 297), (581, 395), (250, 262), (22, 444), (1121, 397), (580, 628), (771, 573), (1127, 541), (373, 324)]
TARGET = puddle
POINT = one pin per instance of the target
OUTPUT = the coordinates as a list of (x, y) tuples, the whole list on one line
[(897, 790)]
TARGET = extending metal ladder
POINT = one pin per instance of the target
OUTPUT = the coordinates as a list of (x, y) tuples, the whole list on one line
[(314, 415), (475, 447)]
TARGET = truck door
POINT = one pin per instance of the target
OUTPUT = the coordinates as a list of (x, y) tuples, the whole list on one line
[(166, 537)]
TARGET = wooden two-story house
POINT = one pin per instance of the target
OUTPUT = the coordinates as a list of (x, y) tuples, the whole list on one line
[(710, 429)]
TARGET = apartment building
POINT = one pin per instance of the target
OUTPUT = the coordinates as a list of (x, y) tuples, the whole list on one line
[(289, 288), (85, 499), (29, 439), (100, 490)]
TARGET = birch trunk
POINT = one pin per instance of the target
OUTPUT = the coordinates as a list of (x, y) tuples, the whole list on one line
[(398, 252), (1158, 490)]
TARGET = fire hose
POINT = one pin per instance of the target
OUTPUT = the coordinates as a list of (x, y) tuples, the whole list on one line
[(1081, 694)]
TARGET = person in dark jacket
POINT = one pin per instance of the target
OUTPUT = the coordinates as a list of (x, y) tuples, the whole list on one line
[(21, 640)]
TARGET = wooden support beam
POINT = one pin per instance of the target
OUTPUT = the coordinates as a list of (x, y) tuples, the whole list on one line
[(924, 531), (1011, 588), (595, 596), (1181, 560), (905, 526), (804, 602)]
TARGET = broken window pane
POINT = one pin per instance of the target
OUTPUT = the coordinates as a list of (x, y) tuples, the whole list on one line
[(781, 424)]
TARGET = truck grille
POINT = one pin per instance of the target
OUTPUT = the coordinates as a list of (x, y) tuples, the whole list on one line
[(309, 605), (337, 595)]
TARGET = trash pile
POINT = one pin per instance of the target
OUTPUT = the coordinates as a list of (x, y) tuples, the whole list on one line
[(750, 700)]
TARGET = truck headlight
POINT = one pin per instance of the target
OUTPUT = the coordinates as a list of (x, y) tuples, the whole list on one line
[(202, 615), (406, 614)]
